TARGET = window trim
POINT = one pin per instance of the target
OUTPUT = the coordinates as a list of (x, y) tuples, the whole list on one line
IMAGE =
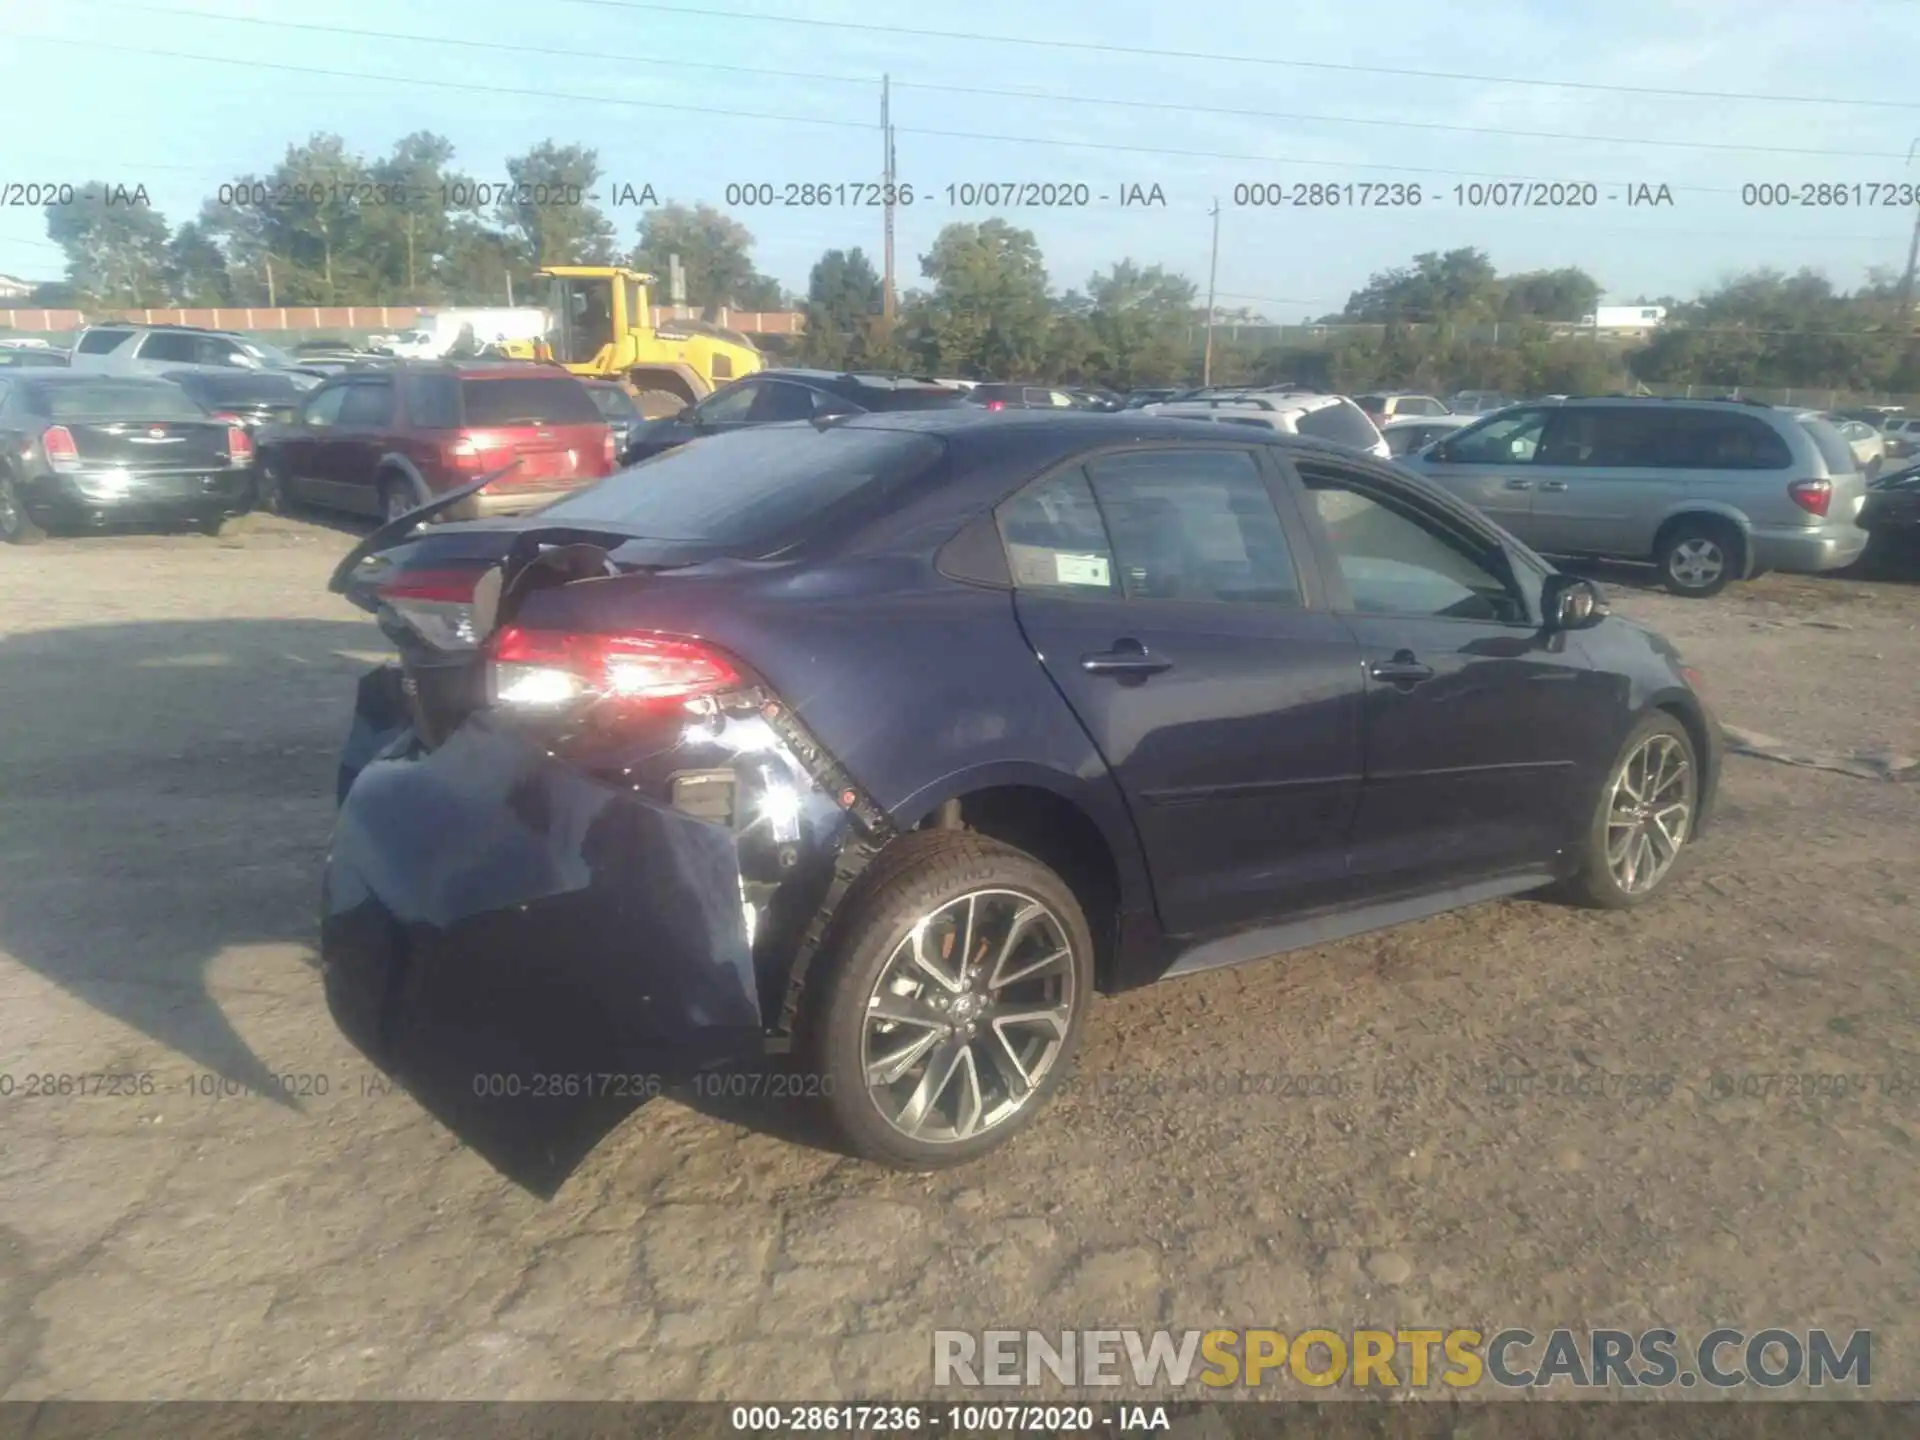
[(314, 398), (771, 387), (1301, 541), (1448, 514)]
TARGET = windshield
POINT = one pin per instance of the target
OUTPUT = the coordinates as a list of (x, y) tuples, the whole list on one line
[(115, 400), (749, 487)]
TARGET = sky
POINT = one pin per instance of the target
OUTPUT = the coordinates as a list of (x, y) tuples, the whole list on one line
[(176, 95)]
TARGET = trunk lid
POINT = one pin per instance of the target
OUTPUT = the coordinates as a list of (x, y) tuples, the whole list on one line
[(546, 419), (150, 445)]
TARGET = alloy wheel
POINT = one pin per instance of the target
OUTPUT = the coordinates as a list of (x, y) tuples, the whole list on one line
[(968, 1016), (1697, 563), (1649, 813)]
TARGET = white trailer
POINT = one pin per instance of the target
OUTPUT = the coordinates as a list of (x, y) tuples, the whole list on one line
[(437, 332)]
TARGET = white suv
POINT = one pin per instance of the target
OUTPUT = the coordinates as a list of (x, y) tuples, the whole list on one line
[(1326, 417), (156, 349)]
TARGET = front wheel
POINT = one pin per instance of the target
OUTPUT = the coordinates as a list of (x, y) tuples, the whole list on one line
[(1696, 558), (962, 974), (1644, 818)]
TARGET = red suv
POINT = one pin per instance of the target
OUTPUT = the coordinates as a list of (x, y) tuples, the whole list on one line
[(381, 442)]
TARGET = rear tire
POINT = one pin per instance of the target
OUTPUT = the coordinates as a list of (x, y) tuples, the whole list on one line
[(1697, 558), (982, 912), (1658, 762), (16, 526), (211, 525), (270, 491)]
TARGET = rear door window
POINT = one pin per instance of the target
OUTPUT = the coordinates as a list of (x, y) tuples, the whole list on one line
[(781, 400), (1194, 525), (100, 342), (433, 401), (1056, 539), (170, 345), (324, 408), (511, 400), (1512, 438), (369, 404)]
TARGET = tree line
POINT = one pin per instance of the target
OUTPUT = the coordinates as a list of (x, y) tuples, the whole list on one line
[(327, 226)]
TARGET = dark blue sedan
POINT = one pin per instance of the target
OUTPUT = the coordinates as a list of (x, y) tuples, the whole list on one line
[(887, 741)]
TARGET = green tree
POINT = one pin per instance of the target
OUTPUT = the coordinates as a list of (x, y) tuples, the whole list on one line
[(1138, 318), (411, 232), (540, 215), (843, 301), (116, 252), (1458, 285), (987, 316), (714, 251), (1564, 294), (196, 270)]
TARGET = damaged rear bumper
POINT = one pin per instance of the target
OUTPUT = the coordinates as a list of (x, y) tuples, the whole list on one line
[(553, 914)]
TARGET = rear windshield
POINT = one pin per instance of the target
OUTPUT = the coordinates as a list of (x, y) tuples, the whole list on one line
[(1342, 423), (918, 397), (98, 342), (114, 400), (240, 389), (528, 400), (750, 486), (1831, 444)]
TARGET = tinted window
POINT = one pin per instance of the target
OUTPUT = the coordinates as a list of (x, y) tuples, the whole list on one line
[(324, 407), (1372, 404), (1194, 525), (746, 487), (1343, 423), (995, 392), (99, 342), (1711, 440), (115, 400), (1833, 449), (433, 401), (1397, 559), (528, 400), (1055, 538), (1508, 439), (730, 405), (368, 403), (238, 389), (779, 400), (614, 403), (1405, 439), (170, 345), (916, 397)]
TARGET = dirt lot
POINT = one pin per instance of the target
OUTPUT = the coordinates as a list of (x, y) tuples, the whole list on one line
[(170, 709)]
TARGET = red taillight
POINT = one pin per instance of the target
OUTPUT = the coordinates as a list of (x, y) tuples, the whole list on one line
[(547, 669), (226, 416), (1812, 496), (996, 404), (437, 604), (611, 452), (465, 453), (62, 453), (239, 447)]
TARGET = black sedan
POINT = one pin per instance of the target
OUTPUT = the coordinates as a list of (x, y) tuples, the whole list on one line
[(88, 450), (1892, 511), (887, 742), (251, 398), (773, 396), (616, 402)]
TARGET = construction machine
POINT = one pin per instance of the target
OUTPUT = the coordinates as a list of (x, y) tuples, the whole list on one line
[(603, 329)]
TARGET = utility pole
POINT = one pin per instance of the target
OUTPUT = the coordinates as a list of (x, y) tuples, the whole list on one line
[(887, 198), (1904, 310), (271, 302), (1213, 271)]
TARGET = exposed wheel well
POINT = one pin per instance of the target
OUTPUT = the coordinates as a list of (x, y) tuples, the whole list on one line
[(1706, 519), (662, 381), (1061, 836), (1690, 722)]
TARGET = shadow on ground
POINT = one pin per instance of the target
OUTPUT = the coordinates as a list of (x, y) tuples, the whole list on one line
[(169, 796)]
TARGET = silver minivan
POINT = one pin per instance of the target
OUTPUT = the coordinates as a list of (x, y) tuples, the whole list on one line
[(1708, 491)]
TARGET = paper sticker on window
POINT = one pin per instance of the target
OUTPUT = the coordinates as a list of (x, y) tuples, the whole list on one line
[(1080, 570)]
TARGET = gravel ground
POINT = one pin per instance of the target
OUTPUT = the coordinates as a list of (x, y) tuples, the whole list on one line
[(170, 710)]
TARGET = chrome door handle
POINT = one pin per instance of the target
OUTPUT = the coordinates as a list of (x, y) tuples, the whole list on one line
[(1518, 484), (1554, 485)]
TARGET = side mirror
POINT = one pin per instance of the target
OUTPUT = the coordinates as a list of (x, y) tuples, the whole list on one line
[(1569, 602)]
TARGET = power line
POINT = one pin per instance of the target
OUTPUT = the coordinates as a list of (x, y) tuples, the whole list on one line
[(550, 95), (1154, 53), (1045, 96)]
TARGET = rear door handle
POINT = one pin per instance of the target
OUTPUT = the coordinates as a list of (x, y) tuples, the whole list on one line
[(1403, 669), (1127, 657), (1518, 484), (1554, 485)]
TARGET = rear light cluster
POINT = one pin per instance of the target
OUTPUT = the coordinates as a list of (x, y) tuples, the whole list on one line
[(239, 447), (610, 452), (63, 455), (438, 604), (996, 404), (1813, 496), (545, 670), (468, 456)]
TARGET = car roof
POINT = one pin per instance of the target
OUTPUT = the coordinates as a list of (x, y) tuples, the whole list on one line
[(850, 383), (1409, 422), (59, 375), (1072, 430)]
